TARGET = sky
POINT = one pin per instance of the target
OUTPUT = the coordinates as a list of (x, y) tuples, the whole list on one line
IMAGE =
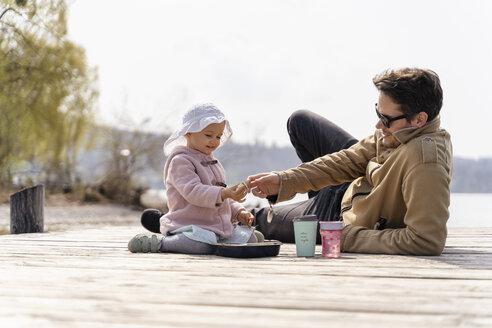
[(259, 60)]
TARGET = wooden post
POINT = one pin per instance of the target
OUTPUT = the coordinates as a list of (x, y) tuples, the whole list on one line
[(27, 210)]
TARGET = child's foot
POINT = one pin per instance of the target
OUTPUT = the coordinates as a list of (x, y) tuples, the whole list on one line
[(259, 236), (145, 243), (150, 220)]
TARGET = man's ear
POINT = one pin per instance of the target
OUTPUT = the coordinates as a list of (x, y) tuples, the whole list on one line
[(421, 119)]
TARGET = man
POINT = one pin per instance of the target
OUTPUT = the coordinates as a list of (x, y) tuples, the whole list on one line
[(391, 189)]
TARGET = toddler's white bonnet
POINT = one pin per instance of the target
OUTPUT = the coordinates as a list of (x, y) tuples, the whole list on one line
[(197, 118)]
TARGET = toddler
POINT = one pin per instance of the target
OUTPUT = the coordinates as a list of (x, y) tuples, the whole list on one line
[(202, 209)]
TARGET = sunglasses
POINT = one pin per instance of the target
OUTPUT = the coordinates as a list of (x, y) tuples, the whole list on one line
[(387, 120)]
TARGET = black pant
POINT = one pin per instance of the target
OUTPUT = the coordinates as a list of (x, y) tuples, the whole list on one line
[(312, 136)]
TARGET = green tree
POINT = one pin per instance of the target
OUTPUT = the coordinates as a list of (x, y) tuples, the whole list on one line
[(129, 151), (47, 90)]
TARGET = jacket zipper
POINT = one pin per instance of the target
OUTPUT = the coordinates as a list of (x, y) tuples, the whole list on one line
[(346, 208), (372, 171)]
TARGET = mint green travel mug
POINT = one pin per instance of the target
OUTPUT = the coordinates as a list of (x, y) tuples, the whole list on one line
[(305, 228)]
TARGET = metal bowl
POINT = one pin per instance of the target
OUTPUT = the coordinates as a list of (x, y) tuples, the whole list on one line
[(263, 249)]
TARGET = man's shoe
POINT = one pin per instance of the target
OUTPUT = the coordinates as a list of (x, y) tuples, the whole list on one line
[(150, 220), (145, 243)]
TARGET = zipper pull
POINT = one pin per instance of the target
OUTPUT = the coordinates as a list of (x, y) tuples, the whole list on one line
[(271, 212)]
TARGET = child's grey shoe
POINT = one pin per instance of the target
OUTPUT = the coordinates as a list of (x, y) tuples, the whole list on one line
[(145, 243), (259, 236)]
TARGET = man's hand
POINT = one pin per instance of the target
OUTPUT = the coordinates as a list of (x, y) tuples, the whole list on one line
[(245, 217), (237, 192), (264, 184)]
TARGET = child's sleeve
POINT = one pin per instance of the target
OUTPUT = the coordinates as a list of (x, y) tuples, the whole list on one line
[(185, 180), (235, 209)]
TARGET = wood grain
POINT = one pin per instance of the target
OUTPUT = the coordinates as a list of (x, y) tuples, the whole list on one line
[(27, 210), (87, 278)]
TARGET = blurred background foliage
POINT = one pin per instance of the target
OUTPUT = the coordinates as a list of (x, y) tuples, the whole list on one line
[(47, 91), (48, 97)]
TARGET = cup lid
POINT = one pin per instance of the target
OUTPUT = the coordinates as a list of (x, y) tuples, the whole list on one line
[(330, 225), (310, 217)]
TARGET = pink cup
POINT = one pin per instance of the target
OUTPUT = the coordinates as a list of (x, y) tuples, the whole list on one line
[(330, 238)]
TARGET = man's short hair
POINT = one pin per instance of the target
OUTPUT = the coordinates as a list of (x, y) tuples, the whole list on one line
[(415, 90)]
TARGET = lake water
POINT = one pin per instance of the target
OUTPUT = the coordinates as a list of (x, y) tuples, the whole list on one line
[(470, 210)]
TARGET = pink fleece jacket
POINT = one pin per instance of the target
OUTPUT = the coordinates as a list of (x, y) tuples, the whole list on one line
[(194, 181)]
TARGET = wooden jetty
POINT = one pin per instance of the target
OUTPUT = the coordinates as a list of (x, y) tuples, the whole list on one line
[(87, 278)]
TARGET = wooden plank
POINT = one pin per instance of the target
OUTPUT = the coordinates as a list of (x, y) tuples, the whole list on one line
[(175, 315), (87, 278)]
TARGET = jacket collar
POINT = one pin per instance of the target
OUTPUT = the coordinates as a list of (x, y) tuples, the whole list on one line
[(190, 151), (407, 134)]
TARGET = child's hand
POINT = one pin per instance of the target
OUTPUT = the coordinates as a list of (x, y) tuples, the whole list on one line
[(264, 184), (245, 217), (237, 192)]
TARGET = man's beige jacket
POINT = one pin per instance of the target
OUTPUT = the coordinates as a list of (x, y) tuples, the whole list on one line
[(404, 191)]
